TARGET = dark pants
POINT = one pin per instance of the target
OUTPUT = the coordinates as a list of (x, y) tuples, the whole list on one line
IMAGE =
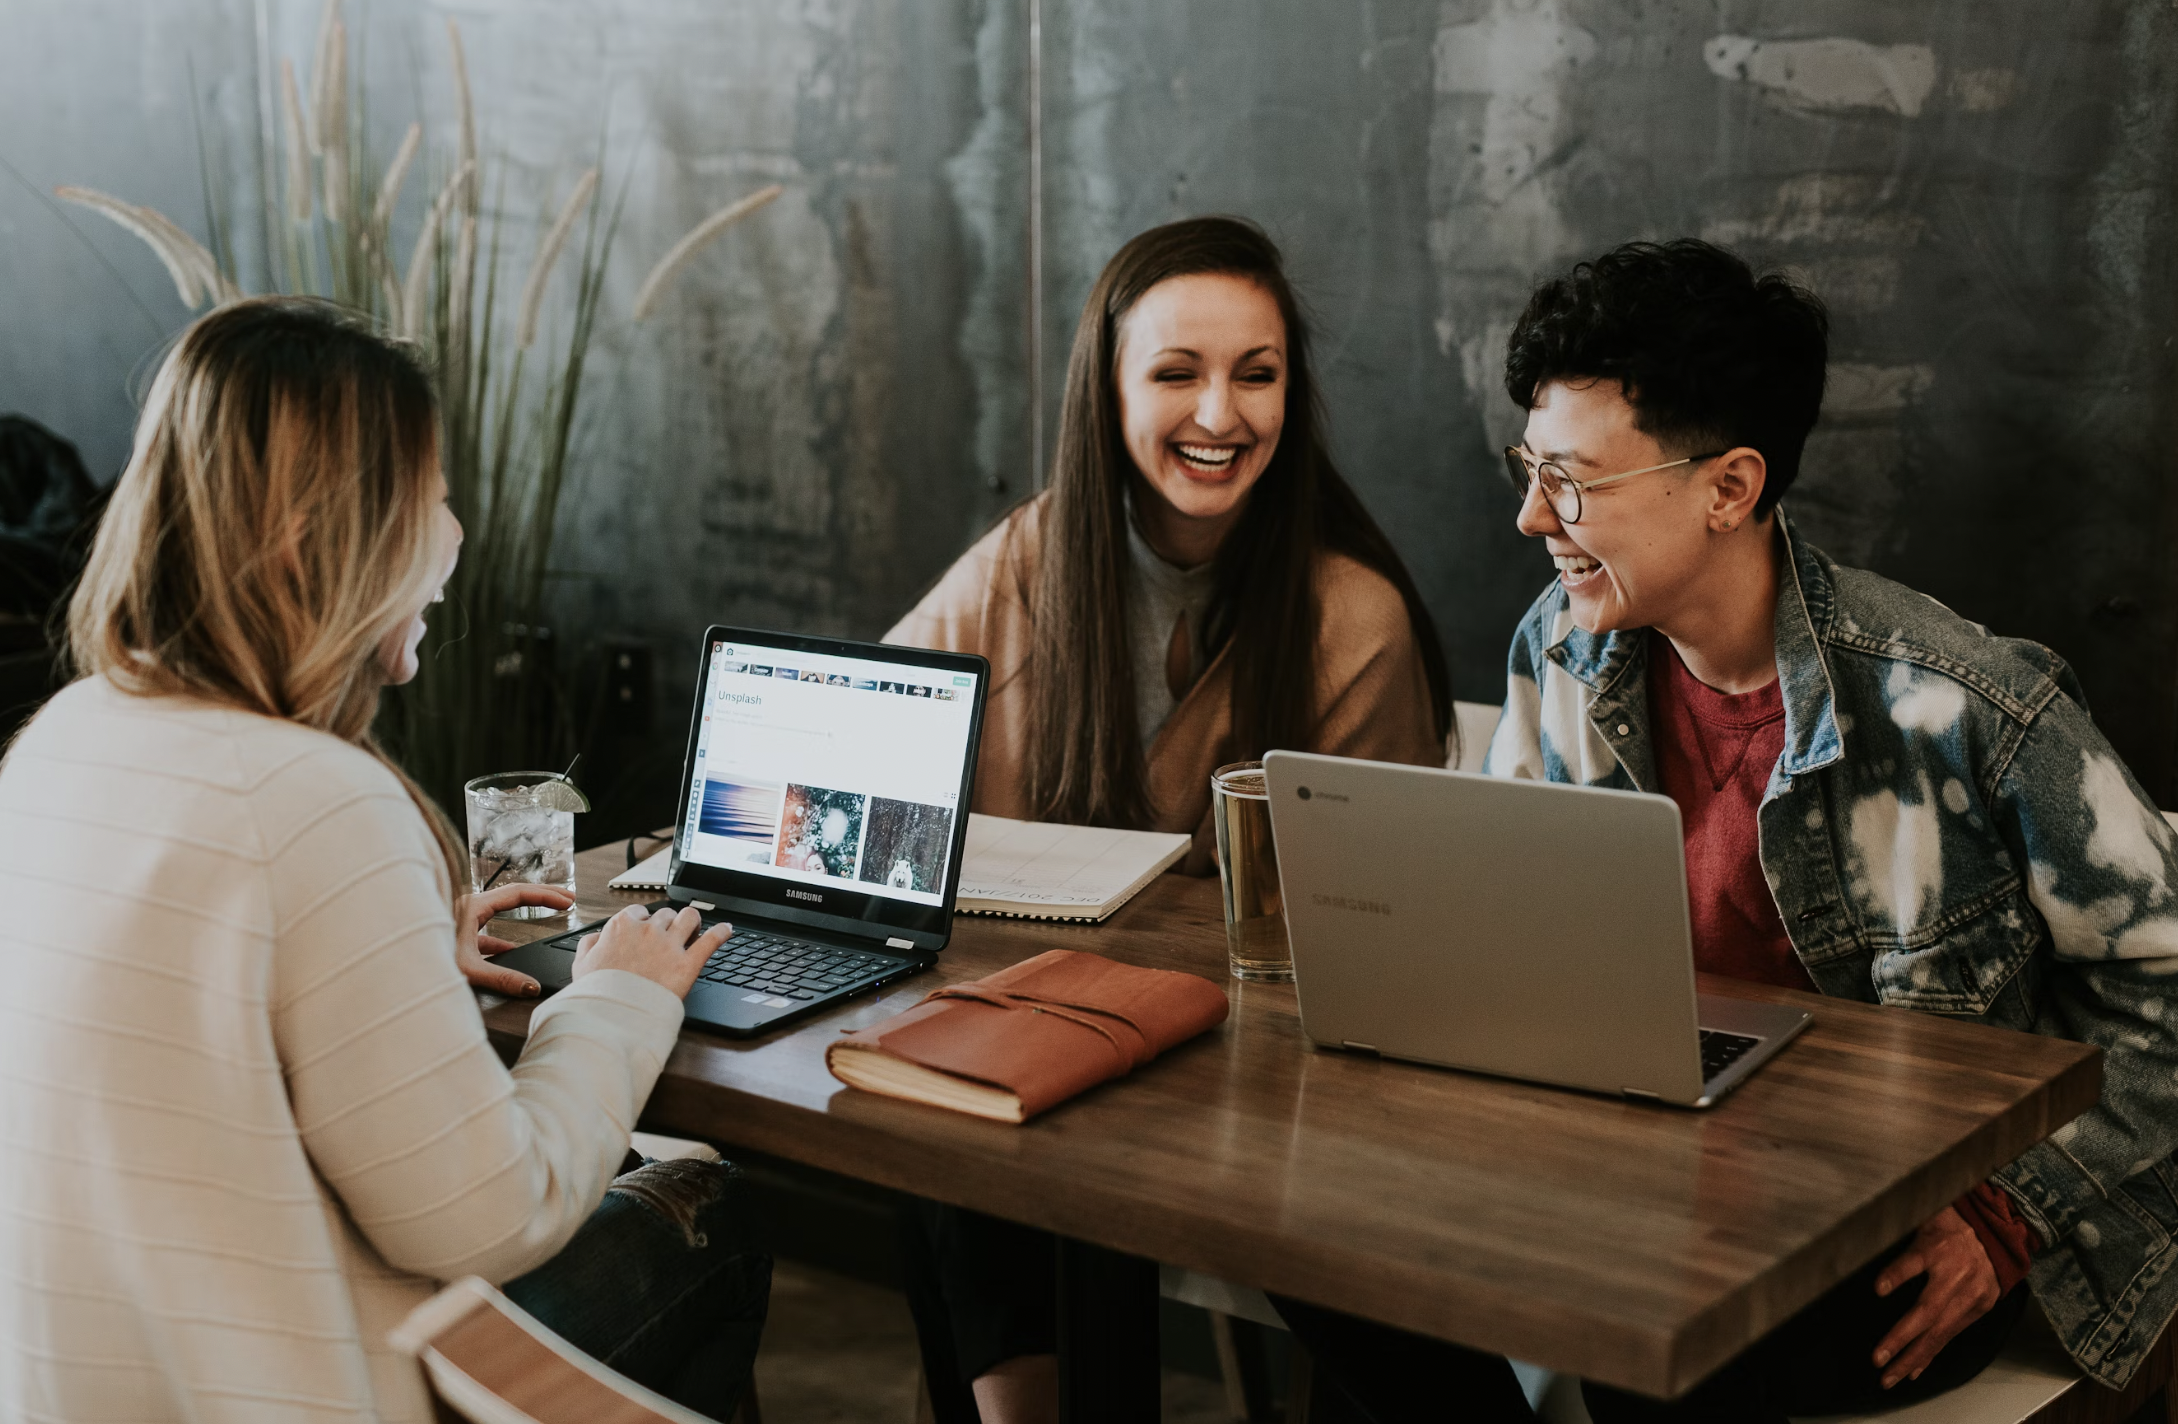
[(982, 1291), (665, 1283), (1818, 1362)]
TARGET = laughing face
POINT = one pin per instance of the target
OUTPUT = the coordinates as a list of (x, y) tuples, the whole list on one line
[(1633, 559), (1202, 392)]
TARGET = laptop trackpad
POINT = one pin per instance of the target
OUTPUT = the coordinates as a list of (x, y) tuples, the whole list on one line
[(551, 962)]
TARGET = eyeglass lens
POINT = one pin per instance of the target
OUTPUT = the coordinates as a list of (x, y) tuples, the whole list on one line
[(1563, 494)]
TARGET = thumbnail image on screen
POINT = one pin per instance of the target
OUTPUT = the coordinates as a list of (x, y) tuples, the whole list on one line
[(821, 831), (906, 844), (743, 812)]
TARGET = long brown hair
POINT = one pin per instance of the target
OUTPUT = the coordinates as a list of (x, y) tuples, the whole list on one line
[(274, 526), (1086, 763)]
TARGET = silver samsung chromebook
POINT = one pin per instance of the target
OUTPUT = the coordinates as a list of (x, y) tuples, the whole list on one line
[(1523, 928)]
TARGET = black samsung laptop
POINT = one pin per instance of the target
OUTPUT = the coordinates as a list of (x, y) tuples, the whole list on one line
[(824, 805)]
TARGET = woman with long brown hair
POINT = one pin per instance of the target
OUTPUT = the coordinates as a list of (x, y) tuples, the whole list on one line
[(1197, 586), (251, 1115)]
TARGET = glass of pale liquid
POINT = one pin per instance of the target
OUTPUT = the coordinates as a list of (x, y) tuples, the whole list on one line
[(1255, 915), (521, 832)]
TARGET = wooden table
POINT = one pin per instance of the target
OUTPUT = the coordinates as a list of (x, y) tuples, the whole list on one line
[(1634, 1244)]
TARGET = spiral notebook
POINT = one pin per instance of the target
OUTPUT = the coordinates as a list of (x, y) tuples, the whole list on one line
[(1027, 869)]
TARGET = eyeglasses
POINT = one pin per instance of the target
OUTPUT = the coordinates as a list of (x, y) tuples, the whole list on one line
[(1562, 490)]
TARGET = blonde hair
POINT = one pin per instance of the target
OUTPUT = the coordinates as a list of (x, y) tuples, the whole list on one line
[(275, 526)]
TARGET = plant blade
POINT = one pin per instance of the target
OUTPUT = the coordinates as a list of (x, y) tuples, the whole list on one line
[(684, 251), (389, 191), (333, 124), (410, 323), (299, 145), (525, 330), (466, 154), (179, 266)]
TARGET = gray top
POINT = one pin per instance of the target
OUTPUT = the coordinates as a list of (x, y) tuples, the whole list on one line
[(1158, 596)]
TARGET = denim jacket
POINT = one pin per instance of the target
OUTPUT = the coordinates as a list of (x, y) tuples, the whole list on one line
[(1947, 831)]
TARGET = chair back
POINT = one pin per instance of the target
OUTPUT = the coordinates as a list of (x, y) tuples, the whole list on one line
[(489, 1361), (1473, 724)]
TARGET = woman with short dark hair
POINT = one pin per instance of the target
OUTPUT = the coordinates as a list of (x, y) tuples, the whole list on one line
[(1878, 800)]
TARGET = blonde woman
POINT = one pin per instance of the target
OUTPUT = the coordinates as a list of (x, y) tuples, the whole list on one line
[(248, 1114)]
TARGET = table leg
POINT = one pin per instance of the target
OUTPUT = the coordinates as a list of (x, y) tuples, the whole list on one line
[(1108, 1365)]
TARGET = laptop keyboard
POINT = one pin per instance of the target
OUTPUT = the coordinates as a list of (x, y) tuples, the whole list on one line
[(792, 968), (1720, 1050)]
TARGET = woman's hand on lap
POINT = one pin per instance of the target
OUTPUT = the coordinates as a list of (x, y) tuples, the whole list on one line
[(656, 946), (472, 947)]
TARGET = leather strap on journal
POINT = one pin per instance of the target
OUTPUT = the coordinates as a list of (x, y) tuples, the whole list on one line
[(1133, 1052), (1049, 1027)]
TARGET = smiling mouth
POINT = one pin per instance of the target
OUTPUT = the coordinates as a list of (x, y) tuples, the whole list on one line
[(1210, 459), (1574, 568)]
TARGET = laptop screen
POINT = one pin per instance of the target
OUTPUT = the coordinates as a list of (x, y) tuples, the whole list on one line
[(823, 772)]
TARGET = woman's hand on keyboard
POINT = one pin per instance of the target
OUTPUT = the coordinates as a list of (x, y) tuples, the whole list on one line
[(658, 947)]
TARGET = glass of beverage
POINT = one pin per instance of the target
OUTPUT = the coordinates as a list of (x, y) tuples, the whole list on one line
[(1255, 914), (522, 832)]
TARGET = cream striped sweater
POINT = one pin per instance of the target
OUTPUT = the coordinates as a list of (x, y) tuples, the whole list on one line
[(248, 1114)]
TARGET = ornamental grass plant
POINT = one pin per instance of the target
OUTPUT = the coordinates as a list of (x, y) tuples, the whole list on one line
[(491, 695)]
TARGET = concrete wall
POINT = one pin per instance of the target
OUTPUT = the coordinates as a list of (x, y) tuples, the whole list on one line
[(826, 409), (98, 93), (1983, 192)]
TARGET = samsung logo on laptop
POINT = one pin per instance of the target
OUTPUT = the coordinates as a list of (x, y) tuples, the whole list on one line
[(1348, 902), (809, 895)]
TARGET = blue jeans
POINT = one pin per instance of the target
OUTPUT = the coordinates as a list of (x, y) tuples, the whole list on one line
[(666, 1283)]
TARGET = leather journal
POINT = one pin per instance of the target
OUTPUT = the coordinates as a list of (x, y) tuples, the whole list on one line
[(1012, 1044)]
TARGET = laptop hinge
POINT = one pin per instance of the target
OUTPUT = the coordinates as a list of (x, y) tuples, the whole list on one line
[(898, 943), (1357, 1047), (704, 905), (1642, 1093)]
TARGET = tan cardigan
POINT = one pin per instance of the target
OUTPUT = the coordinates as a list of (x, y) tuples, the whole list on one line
[(1372, 696)]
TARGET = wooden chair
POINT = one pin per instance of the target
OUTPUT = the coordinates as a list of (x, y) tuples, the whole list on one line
[(488, 1361), (2032, 1382), (2035, 1382), (667, 1149), (1474, 723), (1237, 1316)]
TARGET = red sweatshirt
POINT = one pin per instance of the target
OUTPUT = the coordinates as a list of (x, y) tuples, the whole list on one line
[(1714, 753)]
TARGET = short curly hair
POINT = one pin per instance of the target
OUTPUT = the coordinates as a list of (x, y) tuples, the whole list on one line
[(1710, 355)]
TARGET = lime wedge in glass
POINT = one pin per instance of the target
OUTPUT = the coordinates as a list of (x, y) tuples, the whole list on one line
[(559, 794)]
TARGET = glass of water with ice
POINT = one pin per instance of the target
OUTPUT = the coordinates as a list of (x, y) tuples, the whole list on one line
[(522, 831)]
